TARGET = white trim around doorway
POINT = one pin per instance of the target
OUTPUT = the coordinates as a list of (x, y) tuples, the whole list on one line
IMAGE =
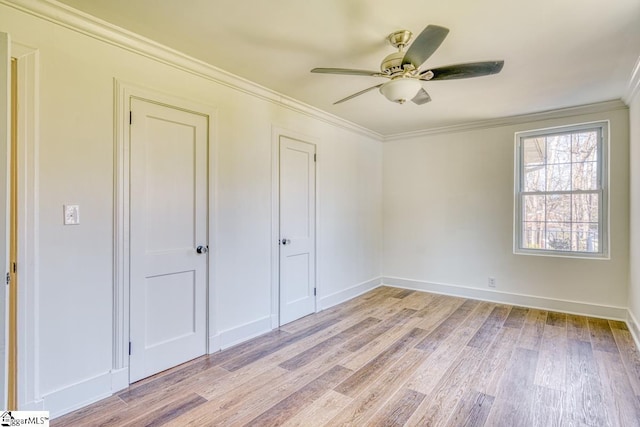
[(276, 133), (29, 394), (123, 92)]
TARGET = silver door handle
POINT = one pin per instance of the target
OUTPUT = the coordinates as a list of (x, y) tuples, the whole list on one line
[(285, 241), (202, 249)]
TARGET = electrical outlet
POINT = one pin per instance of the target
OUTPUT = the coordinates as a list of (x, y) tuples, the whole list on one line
[(492, 282)]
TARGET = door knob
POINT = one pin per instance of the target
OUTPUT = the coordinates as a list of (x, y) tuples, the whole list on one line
[(202, 249), (286, 241)]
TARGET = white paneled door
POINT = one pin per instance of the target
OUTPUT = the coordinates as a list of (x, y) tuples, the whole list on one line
[(297, 229), (168, 232)]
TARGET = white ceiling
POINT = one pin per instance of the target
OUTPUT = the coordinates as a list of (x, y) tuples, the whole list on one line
[(557, 53)]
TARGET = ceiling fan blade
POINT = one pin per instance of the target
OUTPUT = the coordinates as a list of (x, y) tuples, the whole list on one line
[(424, 45), (422, 97), (463, 71), (347, 71), (357, 94)]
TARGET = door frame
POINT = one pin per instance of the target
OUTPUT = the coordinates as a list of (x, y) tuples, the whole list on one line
[(276, 134), (5, 208), (123, 92), (27, 330)]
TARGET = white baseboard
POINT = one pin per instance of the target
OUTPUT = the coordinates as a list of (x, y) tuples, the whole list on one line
[(81, 394), (233, 336), (75, 396), (634, 327), (574, 307), (119, 379), (214, 344), (230, 337), (349, 293), (34, 405)]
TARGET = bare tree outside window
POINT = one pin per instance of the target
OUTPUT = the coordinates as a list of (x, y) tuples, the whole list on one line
[(560, 190)]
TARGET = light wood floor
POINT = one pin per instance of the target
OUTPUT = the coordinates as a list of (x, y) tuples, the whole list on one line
[(395, 357)]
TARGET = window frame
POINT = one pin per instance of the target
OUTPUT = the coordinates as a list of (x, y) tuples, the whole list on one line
[(602, 127)]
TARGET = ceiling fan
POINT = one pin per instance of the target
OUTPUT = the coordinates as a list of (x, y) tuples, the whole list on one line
[(403, 68)]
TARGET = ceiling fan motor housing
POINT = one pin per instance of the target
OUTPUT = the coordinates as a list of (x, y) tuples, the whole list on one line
[(392, 64)]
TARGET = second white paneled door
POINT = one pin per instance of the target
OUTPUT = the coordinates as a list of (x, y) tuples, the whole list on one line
[(297, 229), (168, 237)]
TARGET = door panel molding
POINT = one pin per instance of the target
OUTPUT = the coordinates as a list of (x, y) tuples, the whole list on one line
[(123, 92), (276, 134)]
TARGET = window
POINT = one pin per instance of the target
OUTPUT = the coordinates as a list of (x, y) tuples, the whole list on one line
[(561, 191)]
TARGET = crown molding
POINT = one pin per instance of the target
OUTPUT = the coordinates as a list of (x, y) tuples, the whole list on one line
[(66, 16), (634, 84), (512, 120), (106, 32)]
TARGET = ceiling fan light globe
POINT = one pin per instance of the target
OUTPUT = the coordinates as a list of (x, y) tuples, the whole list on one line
[(400, 90)]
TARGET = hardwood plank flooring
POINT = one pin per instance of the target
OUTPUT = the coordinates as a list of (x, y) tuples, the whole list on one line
[(472, 409), (577, 327), (513, 403), (398, 410), (584, 401), (396, 357), (551, 366)]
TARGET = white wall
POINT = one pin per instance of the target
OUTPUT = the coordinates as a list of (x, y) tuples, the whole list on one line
[(346, 261), (634, 256), (76, 165), (448, 222)]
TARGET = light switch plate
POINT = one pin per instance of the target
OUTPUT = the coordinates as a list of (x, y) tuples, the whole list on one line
[(71, 214)]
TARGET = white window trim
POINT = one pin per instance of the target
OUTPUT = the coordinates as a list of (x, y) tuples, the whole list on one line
[(603, 176)]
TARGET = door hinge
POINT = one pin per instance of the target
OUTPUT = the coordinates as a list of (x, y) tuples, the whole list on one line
[(315, 291), (130, 117), (8, 278), (129, 348), (315, 157), (15, 267)]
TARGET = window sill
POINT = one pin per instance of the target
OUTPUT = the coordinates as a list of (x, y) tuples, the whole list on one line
[(558, 254)]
